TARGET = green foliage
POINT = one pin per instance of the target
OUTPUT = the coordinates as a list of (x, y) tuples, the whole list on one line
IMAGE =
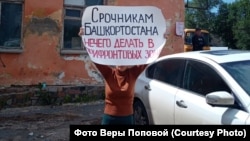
[(201, 17), (81, 98), (44, 96), (231, 23), (223, 28), (241, 27), (67, 99)]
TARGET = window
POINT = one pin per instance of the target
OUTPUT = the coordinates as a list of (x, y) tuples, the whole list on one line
[(73, 11), (202, 79), (10, 26), (167, 71), (240, 72)]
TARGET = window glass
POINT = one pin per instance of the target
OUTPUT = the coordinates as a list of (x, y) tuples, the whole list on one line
[(240, 72), (73, 12), (167, 71), (94, 2), (150, 71), (10, 25), (72, 23), (202, 79), (71, 38)]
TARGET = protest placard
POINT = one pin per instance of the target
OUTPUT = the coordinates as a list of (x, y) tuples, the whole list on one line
[(123, 35)]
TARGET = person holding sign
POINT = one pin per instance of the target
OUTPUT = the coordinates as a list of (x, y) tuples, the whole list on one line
[(119, 91), (129, 41)]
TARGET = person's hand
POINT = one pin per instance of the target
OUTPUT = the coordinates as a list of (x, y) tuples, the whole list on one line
[(81, 32)]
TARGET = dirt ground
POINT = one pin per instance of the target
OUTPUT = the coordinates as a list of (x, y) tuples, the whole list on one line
[(47, 123)]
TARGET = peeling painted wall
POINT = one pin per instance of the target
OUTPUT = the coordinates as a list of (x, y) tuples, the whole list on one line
[(41, 60)]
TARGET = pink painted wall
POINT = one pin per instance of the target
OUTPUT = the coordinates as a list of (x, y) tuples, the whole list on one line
[(41, 60)]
